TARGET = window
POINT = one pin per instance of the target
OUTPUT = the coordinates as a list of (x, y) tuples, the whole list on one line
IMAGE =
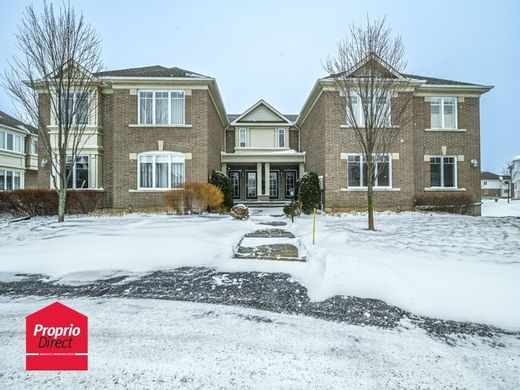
[(34, 145), (281, 138), (161, 107), (160, 170), (10, 180), (235, 181), (443, 172), (11, 142), (443, 112), (381, 108), (77, 172), (75, 108), (290, 183), (357, 171), (242, 137)]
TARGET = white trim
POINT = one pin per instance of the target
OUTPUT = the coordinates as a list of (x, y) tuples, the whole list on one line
[(440, 130), (165, 126), (254, 106), (361, 157), (441, 111), (444, 189), (154, 119), (174, 157), (364, 189)]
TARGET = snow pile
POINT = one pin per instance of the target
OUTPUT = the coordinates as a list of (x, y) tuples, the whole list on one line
[(445, 266), (161, 344)]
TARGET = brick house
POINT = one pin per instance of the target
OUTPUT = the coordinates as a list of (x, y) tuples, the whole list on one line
[(494, 186), (155, 128), (438, 150)]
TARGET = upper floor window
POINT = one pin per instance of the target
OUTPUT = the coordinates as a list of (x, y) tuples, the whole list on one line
[(242, 137), (75, 108), (11, 142), (34, 145), (77, 172), (443, 171), (159, 170), (281, 138), (357, 172), (161, 107), (380, 111), (443, 112)]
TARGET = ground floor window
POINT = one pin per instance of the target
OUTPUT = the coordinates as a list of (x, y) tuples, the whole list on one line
[(10, 180), (77, 172), (159, 170), (443, 171), (290, 184), (235, 181), (357, 171)]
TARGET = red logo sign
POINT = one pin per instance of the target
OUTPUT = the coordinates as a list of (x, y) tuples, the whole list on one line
[(56, 338)]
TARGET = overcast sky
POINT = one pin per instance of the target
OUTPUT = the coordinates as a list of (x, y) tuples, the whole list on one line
[(274, 50)]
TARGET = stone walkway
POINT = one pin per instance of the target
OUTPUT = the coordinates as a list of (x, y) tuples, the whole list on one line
[(269, 243)]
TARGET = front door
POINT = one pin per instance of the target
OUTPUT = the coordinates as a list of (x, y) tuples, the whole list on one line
[(251, 184), (235, 181), (273, 184)]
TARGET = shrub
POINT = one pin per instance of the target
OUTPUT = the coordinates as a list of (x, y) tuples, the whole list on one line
[(293, 209), (45, 202), (308, 191), (443, 200), (223, 182), (195, 197)]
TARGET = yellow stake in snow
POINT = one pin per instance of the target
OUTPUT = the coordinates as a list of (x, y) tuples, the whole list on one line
[(314, 227)]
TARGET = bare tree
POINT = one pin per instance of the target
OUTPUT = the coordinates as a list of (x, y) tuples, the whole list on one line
[(52, 82), (368, 73)]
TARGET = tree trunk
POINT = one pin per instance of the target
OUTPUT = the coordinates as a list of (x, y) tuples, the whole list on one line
[(62, 199), (370, 201)]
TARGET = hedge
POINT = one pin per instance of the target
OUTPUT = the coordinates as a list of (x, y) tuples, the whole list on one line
[(45, 202), (308, 192), (223, 182)]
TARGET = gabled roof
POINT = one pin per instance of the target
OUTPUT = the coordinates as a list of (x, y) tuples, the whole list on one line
[(291, 117), (242, 118), (488, 176), (437, 81), (9, 121), (153, 71), (372, 57)]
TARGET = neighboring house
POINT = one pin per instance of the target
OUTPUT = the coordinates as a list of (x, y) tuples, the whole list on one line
[(262, 154), (18, 154), (156, 128), (514, 168), (437, 153), (494, 186)]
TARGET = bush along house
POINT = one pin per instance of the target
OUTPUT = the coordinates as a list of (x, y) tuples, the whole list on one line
[(18, 154), (156, 128)]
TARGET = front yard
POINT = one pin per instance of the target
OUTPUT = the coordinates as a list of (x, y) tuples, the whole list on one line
[(383, 302)]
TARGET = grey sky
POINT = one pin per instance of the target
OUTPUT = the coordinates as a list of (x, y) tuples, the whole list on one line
[(274, 49)]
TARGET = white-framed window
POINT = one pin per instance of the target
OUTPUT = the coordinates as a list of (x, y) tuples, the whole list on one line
[(443, 112), (77, 172), (160, 170), (443, 172), (10, 180), (281, 138), (161, 107), (242, 137), (357, 171), (381, 107), (75, 107), (12, 142)]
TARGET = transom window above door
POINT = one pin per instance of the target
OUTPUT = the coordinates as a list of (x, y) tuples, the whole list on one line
[(161, 107)]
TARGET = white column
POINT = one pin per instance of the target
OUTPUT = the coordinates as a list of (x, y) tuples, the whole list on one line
[(258, 179), (267, 178), (224, 168), (302, 170)]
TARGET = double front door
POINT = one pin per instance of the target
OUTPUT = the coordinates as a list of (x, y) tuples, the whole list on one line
[(277, 189)]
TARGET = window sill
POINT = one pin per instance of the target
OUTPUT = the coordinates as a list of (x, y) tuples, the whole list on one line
[(86, 189), (364, 189), (165, 126), (13, 152), (444, 189), (446, 130), (156, 189)]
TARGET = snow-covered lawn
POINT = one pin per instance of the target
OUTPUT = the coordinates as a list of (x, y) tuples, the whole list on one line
[(165, 344), (501, 208), (445, 266)]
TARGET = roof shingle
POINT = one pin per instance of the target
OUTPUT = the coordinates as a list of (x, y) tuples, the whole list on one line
[(9, 121), (152, 71)]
